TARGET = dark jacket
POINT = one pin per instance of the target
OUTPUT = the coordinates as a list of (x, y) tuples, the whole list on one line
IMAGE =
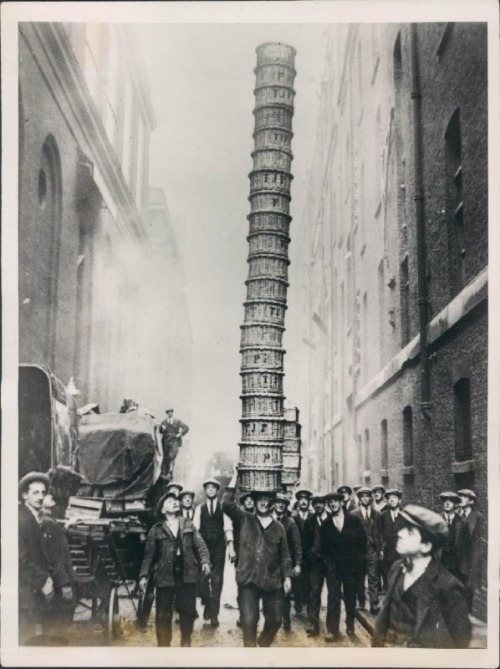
[(34, 564), (441, 619), (345, 550), (311, 539), (372, 529), (263, 557), (389, 533), (57, 551), (455, 554), (292, 539), (160, 552), (478, 548), (170, 431)]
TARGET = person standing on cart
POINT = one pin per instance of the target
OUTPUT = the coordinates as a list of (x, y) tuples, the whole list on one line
[(174, 554), (172, 430)]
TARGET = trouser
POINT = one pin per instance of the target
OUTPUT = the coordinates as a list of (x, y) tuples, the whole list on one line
[(211, 588), (287, 606), (300, 590), (54, 617), (317, 575), (338, 581), (272, 603), (185, 596), (369, 569)]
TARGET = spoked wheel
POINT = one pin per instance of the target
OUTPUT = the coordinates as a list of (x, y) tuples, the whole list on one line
[(114, 620)]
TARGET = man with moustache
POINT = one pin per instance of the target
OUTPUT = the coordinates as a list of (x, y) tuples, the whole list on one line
[(343, 546), (313, 561), (370, 566), (279, 513), (264, 566), (300, 584)]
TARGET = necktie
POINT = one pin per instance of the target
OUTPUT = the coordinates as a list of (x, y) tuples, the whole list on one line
[(212, 507)]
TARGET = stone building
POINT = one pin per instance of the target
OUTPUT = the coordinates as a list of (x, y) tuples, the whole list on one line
[(87, 267), (389, 265)]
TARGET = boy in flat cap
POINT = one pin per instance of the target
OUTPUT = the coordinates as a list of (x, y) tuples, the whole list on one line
[(186, 499), (425, 605), (173, 555), (216, 529), (456, 547), (478, 544), (370, 567)]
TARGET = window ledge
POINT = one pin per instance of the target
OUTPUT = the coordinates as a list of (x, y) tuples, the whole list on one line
[(408, 471), (462, 467)]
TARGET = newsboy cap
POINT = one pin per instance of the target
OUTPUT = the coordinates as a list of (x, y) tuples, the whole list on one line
[(211, 481), (175, 484), (31, 477), (303, 493), (244, 496), (169, 493), (168, 410), (345, 488), (186, 492), (393, 491), (317, 497), (467, 493), (280, 497), (334, 495), (364, 491), (448, 494), (357, 487), (428, 521), (378, 487)]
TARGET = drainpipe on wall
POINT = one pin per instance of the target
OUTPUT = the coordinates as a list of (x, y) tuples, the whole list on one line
[(422, 300)]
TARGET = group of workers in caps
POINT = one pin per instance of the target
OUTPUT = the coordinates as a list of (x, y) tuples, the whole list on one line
[(355, 541)]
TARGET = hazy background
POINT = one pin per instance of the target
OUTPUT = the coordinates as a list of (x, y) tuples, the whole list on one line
[(202, 83)]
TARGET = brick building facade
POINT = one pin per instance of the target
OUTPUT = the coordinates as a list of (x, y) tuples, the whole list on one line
[(389, 265)]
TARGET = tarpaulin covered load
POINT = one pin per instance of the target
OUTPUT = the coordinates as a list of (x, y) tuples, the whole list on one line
[(119, 453)]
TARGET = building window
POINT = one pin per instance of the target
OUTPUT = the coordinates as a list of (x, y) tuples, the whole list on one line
[(455, 203), (407, 436), (404, 282), (384, 454), (462, 420)]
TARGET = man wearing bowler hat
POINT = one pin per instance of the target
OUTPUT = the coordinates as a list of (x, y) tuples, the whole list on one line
[(343, 546), (264, 566), (425, 605), (174, 553), (216, 529), (172, 430), (300, 584), (314, 567), (370, 567), (478, 545), (390, 524), (456, 547)]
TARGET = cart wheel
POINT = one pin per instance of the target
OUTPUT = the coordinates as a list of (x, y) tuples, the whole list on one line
[(114, 620)]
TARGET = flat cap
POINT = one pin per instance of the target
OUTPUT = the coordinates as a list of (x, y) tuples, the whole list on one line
[(303, 493), (280, 497), (393, 491), (364, 491), (334, 495), (357, 487), (211, 481), (378, 487), (186, 492), (448, 494), (467, 493), (427, 520), (31, 477), (317, 497), (167, 410), (244, 496), (261, 493), (169, 493), (345, 488), (175, 484)]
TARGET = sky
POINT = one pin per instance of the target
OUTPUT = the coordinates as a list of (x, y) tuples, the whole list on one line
[(202, 81)]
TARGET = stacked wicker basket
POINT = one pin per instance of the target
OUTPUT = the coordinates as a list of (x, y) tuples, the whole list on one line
[(261, 447), (290, 475)]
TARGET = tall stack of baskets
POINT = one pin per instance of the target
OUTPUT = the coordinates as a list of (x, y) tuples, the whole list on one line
[(290, 475), (261, 446)]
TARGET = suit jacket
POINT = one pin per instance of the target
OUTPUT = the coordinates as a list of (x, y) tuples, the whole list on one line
[(343, 550), (293, 540), (34, 563), (311, 538), (160, 552), (372, 529), (455, 555), (170, 431), (389, 534), (300, 522), (441, 619), (190, 513), (58, 553), (477, 547)]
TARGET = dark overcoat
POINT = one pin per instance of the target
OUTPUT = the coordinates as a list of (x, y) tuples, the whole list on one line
[(441, 619), (343, 551), (160, 552), (389, 533), (293, 540), (478, 548), (372, 529)]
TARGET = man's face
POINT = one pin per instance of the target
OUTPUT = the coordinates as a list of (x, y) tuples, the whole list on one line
[(448, 505), (34, 495), (319, 507), (248, 504), (465, 501), (170, 505), (365, 499), (393, 501), (378, 495), (410, 542), (334, 505), (345, 496), (263, 505), (303, 503), (170, 414), (211, 490), (187, 502), (280, 507)]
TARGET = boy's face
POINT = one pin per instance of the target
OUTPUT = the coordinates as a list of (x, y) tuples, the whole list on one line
[(187, 501), (465, 501), (249, 504), (365, 499), (34, 495), (393, 501), (211, 490), (378, 495), (334, 505), (448, 505), (410, 542), (319, 506), (280, 507), (170, 505)]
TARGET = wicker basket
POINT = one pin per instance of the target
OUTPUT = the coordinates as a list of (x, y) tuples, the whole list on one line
[(266, 429), (266, 480), (291, 460), (261, 455), (290, 476), (292, 430), (291, 445), (269, 222)]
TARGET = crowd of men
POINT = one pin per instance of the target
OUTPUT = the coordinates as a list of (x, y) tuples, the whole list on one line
[(419, 568)]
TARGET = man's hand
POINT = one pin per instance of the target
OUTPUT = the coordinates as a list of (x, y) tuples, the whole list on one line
[(205, 569), (297, 570), (231, 553), (234, 478), (48, 588), (287, 585), (67, 593), (143, 583)]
